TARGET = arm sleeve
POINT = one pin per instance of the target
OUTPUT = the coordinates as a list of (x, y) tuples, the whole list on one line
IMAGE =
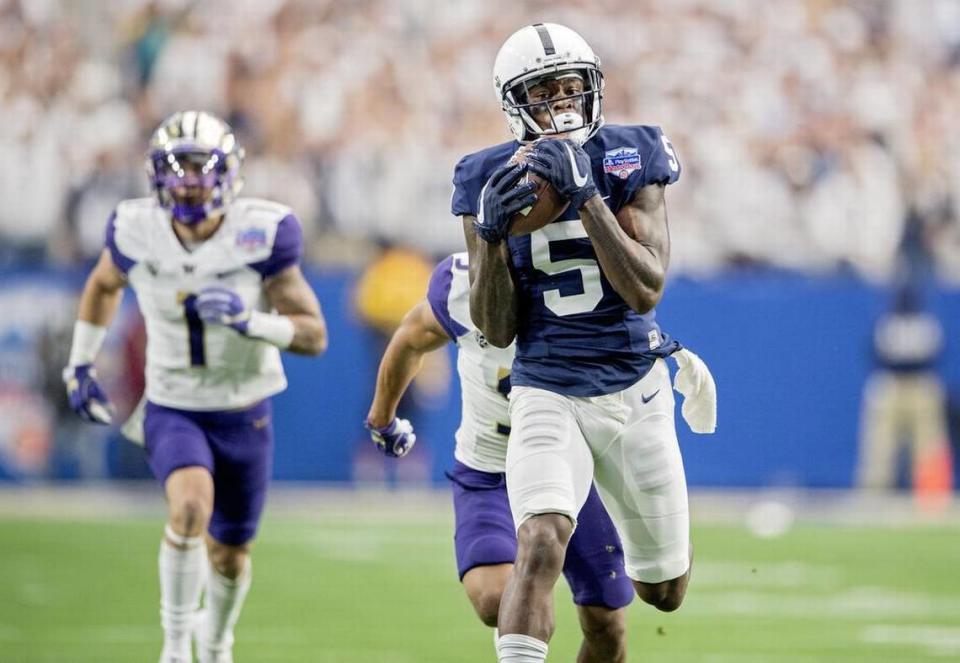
[(123, 262), (438, 295), (287, 248)]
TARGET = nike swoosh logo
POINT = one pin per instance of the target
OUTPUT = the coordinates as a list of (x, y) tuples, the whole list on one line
[(480, 211), (578, 179), (647, 399)]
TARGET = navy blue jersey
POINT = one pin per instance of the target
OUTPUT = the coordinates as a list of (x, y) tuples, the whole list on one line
[(575, 334)]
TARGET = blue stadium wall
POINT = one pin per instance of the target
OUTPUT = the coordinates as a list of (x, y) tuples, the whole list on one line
[(790, 355)]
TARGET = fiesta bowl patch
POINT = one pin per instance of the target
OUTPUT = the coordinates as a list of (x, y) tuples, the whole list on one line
[(621, 161), (251, 239)]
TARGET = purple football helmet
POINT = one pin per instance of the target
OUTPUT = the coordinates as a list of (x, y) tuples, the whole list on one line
[(194, 165)]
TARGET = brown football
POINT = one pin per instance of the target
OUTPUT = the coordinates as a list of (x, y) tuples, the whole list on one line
[(547, 209)]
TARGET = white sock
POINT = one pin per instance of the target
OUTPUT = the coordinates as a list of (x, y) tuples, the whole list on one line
[(224, 601), (182, 570), (517, 648)]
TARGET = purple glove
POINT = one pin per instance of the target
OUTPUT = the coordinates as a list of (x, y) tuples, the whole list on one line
[(500, 199), (395, 439), (86, 397), (566, 166), (222, 306)]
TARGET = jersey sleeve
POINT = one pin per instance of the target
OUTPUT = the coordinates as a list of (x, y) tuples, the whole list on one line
[(659, 162), (466, 192), (287, 248), (472, 173), (438, 295), (123, 261)]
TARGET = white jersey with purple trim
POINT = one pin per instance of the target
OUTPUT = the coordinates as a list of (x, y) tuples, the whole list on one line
[(191, 365), (484, 370)]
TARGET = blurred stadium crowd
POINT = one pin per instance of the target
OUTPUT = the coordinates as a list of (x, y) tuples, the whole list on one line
[(808, 129)]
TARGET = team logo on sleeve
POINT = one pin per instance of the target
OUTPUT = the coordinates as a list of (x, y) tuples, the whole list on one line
[(621, 161), (252, 238)]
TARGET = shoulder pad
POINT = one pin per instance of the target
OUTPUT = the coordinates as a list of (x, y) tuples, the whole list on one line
[(449, 295), (258, 211), (639, 152), (130, 230)]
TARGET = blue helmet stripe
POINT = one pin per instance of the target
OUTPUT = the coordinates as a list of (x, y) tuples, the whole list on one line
[(545, 39)]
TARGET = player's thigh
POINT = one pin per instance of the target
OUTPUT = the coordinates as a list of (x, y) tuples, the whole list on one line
[(594, 567), (180, 458), (174, 443), (484, 534), (641, 479), (549, 466), (242, 445)]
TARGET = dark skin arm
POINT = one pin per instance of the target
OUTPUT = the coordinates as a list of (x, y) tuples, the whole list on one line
[(418, 334), (493, 296), (633, 247), (290, 294)]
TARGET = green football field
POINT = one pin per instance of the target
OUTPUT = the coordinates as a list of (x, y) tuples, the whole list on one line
[(359, 587)]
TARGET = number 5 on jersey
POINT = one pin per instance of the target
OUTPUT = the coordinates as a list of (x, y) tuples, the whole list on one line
[(589, 270)]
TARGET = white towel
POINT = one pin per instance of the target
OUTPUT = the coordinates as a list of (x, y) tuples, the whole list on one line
[(694, 381)]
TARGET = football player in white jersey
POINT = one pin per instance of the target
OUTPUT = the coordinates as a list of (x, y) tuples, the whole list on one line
[(485, 540), (218, 282)]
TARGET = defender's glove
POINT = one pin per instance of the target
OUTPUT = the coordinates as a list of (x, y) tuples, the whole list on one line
[(217, 305), (396, 439), (86, 396), (222, 306), (500, 199), (566, 166), (694, 381)]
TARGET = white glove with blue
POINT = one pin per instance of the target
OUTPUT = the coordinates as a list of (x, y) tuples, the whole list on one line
[(87, 398), (222, 306), (694, 381), (396, 439)]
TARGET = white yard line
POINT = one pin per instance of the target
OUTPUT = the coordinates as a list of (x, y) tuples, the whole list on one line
[(936, 639), (850, 604)]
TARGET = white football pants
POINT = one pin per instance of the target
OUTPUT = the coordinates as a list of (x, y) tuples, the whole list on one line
[(626, 442)]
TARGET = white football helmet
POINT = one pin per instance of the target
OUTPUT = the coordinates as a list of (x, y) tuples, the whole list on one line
[(541, 51)]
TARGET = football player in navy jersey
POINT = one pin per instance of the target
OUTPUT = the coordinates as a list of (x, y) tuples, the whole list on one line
[(591, 397)]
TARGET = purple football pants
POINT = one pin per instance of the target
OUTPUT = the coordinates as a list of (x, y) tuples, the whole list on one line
[(485, 535), (236, 447)]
